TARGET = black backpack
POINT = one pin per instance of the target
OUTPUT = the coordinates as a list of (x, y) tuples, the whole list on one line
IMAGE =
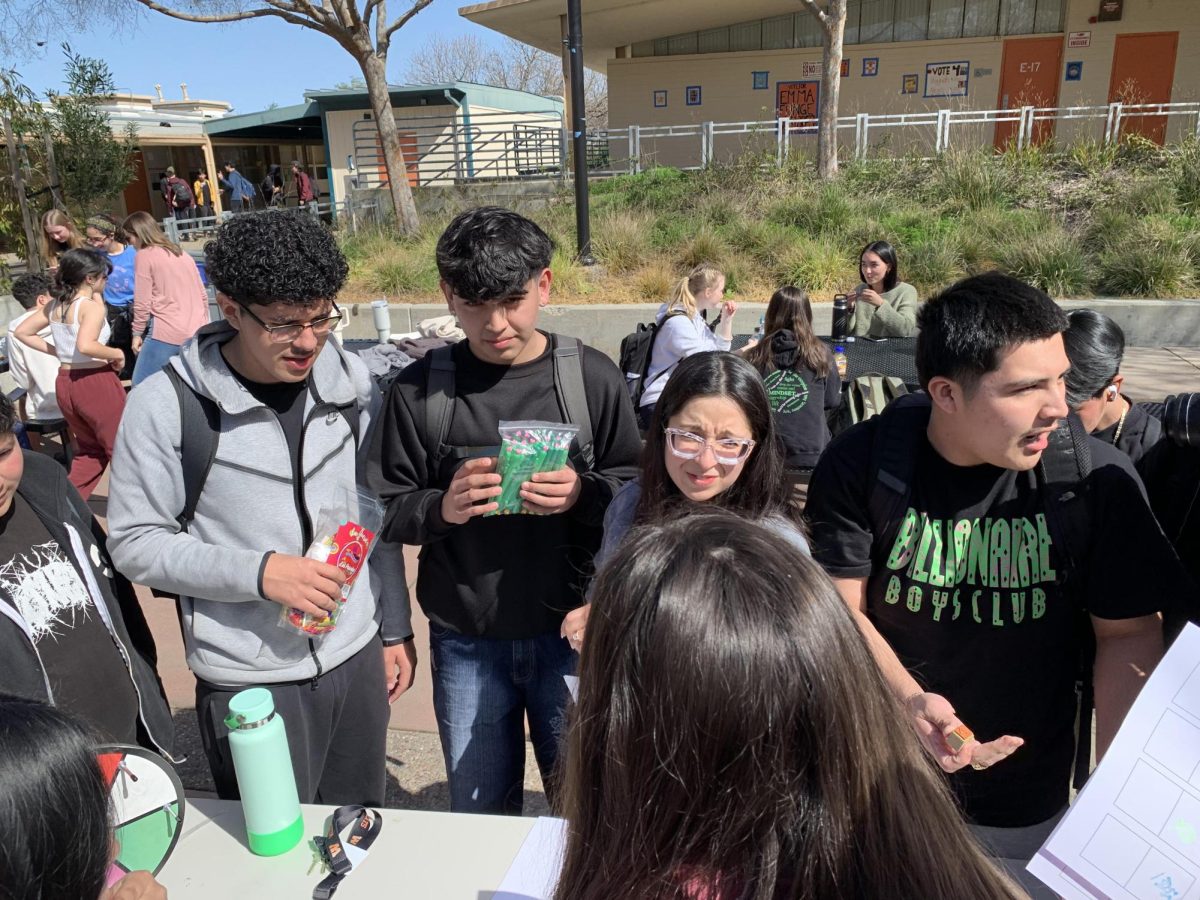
[(440, 397), (181, 194), (637, 350), (1062, 472)]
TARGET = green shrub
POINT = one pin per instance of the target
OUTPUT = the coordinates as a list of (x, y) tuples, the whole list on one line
[(933, 262), (1051, 261), (403, 268), (1147, 196), (659, 189), (1187, 177), (568, 276), (970, 181), (1146, 269), (705, 246), (654, 282), (1090, 157), (817, 265), (621, 239), (827, 210), (765, 242)]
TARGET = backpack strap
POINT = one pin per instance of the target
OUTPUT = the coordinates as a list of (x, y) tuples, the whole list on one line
[(898, 434), (1063, 470), (572, 398), (199, 433), (439, 405)]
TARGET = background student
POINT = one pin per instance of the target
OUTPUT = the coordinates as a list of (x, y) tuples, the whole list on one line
[(884, 306), (32, 370), (105, 236), (733, 738), (86, 389), (683, 330), (58, 235), (170, 303), (802, 382)]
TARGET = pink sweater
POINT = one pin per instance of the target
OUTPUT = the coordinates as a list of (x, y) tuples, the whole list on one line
[(168, 287)]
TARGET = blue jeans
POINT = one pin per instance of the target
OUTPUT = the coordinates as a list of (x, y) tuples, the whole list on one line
[(482, 691), (155, 354)]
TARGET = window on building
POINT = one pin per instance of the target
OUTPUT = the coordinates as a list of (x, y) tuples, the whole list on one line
[(644, 48), (1017, 16), (875, 22), (853, 12), (981, 18), (715, 40), (912, 20), (1049, 17), (945, 19), (808, 30), (778, 33), (662, 46), (681, 44), (746, 36)]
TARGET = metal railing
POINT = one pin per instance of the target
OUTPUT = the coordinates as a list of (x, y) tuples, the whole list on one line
[(353, 214)]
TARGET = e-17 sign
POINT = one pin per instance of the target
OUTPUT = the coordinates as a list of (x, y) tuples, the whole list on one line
[(798, 100)]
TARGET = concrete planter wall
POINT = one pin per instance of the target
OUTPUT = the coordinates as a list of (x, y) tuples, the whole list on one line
[(1147, 323)]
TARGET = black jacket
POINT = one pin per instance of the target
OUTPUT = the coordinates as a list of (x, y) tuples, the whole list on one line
[(70, 522)]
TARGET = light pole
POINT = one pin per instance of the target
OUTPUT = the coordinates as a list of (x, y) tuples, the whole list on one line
[(583, 228)]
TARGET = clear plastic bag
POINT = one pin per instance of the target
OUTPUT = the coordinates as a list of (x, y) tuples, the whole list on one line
[(344, 534), (526, 448)]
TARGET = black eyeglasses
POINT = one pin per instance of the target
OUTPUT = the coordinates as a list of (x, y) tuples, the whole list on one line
[(285, 334)]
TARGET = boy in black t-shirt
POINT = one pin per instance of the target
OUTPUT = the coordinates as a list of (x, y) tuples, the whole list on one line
[(496, 589), (963, 597), (71, 630)]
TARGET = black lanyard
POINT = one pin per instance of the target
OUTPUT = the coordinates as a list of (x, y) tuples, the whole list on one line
[(365, 827)]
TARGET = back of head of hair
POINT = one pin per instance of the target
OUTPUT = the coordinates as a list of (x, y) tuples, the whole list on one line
[(74, 268), (887, 253), (966, 329), (276, 256), (143, 227), (489, 253), (27, 288), (733, 737), (54, 816), (8, 415), (759, 490), (1095, 345), (790, 310), (701, 278)]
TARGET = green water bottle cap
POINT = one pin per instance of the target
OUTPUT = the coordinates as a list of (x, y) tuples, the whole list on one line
[(250, 708)]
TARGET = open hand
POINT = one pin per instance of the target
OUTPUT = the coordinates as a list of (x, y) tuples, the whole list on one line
[(934, 718)]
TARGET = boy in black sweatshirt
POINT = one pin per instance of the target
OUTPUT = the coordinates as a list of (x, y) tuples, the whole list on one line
[(496, 589)]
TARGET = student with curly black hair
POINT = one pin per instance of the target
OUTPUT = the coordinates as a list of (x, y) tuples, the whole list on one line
[(292, 409)]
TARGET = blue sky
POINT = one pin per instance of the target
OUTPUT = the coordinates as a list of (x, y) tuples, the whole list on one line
[(249, 64)]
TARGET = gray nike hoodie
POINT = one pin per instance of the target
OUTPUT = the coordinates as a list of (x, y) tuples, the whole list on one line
[(249, 507)]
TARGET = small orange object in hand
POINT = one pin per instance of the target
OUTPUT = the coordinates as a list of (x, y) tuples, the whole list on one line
[(959, 738)]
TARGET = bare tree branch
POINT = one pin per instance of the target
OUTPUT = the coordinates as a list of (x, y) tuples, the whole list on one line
[(417, 6), (232, 16), (821, 15)]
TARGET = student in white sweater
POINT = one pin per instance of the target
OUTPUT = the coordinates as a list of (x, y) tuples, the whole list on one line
[(683, 331)]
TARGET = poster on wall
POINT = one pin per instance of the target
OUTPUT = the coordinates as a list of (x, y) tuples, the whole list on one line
[(798, 100), (660, 99), (947, 79), (845, 68), (1074, 71), (810, 70), (760, 80), (909, 83), (870, 66), (1110, 10), (691, 95), (1077, 40)]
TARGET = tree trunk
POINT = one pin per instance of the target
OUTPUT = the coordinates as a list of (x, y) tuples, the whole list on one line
[(831, 81), (32, 257), (375, 73)]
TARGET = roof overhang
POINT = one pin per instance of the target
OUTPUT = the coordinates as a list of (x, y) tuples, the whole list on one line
[(608, 24), (299, 122)]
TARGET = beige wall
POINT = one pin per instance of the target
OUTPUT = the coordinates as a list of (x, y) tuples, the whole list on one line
[(728, 94)]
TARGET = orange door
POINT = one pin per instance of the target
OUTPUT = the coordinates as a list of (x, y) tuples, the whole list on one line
[(408, 146), (1143, 71), (1029, 73)]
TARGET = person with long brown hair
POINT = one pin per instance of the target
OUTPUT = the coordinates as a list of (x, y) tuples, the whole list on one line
[(734, 739), (169, 300), (87, 388), (802, 383), (58, 235), (682, 330)]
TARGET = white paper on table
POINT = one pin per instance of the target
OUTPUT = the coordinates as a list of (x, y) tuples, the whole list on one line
[(534, 872), (1134, 830), (572, 686)]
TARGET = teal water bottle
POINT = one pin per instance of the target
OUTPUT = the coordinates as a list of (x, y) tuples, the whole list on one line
[(259, 745)]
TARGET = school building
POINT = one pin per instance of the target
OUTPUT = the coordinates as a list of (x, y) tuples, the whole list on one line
[(757, 60)]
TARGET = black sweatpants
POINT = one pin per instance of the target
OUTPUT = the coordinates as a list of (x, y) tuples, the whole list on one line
[(336, 729)]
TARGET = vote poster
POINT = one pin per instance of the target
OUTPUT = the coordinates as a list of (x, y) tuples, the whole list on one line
[(798, 100)]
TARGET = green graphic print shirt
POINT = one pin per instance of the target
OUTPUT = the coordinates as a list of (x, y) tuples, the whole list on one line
[(967, 591)]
